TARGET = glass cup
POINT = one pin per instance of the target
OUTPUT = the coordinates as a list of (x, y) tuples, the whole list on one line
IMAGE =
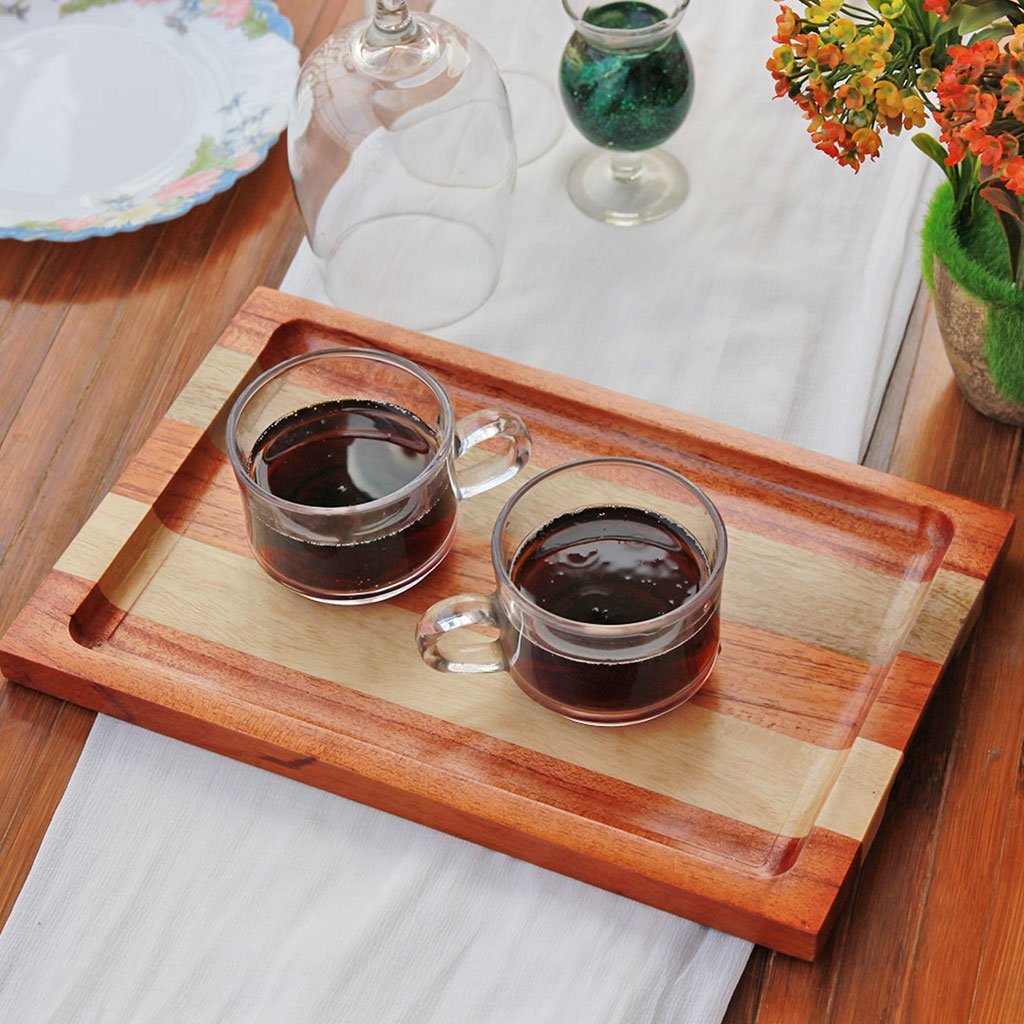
[(627, 84), (348, 463), (609, 579)]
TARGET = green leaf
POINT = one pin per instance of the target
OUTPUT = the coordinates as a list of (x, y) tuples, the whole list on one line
[(1011, 219), (931, 147), (206, 157), (77, 6), (254, 24), (997, 32), (973, 17)]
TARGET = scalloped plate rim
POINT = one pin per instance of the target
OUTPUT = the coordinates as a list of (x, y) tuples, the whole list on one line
[(280, 25)]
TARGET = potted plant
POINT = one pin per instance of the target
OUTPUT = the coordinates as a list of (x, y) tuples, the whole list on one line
[(861, 72)]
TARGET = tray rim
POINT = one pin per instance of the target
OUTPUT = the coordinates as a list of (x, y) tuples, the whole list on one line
[(791, 912)]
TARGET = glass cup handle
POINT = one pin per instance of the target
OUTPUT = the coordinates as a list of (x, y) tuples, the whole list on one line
[(451, 615), (481, 426)]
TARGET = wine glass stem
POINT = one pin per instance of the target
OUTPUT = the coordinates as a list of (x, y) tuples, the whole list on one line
[(392, 22), (627, 167)]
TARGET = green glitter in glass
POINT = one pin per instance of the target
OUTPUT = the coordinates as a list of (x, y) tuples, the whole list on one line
[(626, 101)]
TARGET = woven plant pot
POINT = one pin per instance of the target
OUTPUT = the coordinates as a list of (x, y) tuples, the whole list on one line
[(962, 319)]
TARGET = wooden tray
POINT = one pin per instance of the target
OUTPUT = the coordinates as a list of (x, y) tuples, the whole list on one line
[(748, 809)]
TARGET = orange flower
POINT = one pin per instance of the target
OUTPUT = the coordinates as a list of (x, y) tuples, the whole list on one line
[(974, 58), (829, 137), (939, 7), (852, 71), (957, 151), (888, 99), (1012, 88), (913, 111), (850, 96), (868, 142), (985, 110), (829, 56), (786, 23), (989, 150), (1014, 174)]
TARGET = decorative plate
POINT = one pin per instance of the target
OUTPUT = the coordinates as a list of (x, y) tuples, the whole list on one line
[(120, 113)]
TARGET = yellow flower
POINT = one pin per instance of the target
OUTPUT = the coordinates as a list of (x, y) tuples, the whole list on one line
[(842, 31), (883, 35), (784, 59), (823, 11), (913, 111), (888, 100)]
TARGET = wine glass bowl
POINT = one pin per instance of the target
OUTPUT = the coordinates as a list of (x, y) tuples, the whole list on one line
[(626, 80), (401, 151)]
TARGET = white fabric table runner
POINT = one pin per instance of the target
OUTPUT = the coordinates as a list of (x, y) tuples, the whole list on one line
[(176, 885)]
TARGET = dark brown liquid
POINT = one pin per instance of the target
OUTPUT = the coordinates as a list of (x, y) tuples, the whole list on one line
[(612, 565), (341, 454)]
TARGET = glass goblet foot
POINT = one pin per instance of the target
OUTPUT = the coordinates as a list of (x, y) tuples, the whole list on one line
[(628, 188)]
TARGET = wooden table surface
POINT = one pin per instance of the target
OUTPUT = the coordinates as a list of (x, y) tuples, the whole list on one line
[(96, 339)]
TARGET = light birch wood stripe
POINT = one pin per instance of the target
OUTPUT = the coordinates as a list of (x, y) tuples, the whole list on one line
[(215, 380), (791, 591), (857, 801), (950, 602), (103, 535), (710, 760), (224, 369), (855, 611)]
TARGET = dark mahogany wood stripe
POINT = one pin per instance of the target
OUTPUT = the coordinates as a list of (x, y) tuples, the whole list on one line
[(774, 465), (908, 541), (214, 669)]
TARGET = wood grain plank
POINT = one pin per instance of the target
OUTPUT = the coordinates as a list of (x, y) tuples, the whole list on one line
[(983, 764), (816, 808), (879, 929), (877, 969), (41, 284), (40, 738)]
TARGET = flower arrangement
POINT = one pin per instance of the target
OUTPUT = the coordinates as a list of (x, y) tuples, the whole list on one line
[(865, 69)]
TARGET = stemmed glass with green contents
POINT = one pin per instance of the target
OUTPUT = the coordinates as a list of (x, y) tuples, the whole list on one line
[(627, 83)]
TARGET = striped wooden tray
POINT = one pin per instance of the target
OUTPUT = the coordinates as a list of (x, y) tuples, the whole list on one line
[(748, 809)]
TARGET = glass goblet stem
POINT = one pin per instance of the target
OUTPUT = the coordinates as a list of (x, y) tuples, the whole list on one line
[(627, 167), (393, 21)]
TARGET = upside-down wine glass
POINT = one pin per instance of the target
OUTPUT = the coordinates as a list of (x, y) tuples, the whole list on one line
[(401, 151), (627, 83), (537, 118)]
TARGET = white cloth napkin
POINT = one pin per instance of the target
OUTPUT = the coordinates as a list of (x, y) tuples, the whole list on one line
[(178, 886), (775, 299), (175, 885)]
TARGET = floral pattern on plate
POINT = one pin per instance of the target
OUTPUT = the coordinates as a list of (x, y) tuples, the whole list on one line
[(237, 133)]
